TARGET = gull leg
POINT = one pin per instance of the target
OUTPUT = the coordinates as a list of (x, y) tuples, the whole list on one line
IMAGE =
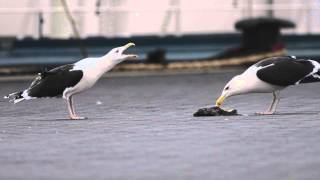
[(273, 102), (277, 100), (71, 106), (273, 105), (71, 114), (73, 111)]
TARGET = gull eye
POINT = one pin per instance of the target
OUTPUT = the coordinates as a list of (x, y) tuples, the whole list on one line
[(117, 50), (227, 88)]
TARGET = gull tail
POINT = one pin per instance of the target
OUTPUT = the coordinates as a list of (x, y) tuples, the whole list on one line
[(312, 78), (15, 97), (315, 75)]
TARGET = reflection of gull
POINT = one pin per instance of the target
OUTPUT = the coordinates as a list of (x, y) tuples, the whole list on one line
[(270, 76), (71, 79)]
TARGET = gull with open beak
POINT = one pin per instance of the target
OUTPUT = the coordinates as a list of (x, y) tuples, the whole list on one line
[(68, 80)]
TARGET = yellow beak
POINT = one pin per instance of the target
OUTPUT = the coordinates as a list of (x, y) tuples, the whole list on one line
[(130, 56), (129, 45), (220, 100)]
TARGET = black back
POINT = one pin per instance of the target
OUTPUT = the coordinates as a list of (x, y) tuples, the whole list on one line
[(284, 71), (52, 83)]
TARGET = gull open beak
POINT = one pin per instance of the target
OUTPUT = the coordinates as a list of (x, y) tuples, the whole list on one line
[(130, 56), (220, 100)]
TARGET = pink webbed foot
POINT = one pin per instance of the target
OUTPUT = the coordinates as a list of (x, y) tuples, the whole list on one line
[(77, 118)]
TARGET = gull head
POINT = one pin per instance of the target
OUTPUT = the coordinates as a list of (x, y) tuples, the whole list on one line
[(236, 86), (118, 55)]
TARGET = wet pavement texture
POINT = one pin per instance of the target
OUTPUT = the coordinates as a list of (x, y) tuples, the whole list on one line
[(143, 128)]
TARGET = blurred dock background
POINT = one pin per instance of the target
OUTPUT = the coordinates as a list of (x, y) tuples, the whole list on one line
[(37, 33)]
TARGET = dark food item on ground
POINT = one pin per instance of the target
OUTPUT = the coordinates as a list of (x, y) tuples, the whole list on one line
[(215, 111)]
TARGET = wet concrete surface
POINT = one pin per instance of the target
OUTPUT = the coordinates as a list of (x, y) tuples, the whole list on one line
[(143, 128)]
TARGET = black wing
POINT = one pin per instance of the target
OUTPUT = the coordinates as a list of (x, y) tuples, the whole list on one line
[(284, 71), (52, 83)]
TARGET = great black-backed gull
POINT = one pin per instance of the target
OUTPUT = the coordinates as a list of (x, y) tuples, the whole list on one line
[(271, 75), (67, 80)]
